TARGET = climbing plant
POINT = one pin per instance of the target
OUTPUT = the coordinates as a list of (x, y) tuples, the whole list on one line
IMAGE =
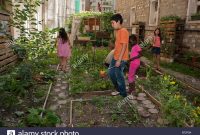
[(37, 44), (104, 17)]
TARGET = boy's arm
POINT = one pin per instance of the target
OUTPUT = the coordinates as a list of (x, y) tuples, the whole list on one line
[(121, 55)]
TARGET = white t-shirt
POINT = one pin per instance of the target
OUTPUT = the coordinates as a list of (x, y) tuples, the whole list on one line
[(109, 57)]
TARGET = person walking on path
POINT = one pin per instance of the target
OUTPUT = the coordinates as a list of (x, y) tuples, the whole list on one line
[(134, 62), (156, 48), (120, 56), (63, 49)]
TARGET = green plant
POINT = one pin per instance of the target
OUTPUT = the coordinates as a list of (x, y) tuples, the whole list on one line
[(85, 77), (189, 54), (104, 17), (37, 44), (2, 6), (49, 118), (195, 16), (196, 116), (170, 17), (114, 117), (177, 111), (168, 50), (24, 72), (148, 72), (98, 101), (132, 116), (20, 50)]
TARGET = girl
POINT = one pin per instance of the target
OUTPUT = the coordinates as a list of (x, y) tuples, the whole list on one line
[(156, 48), (134, 62), (63, 49)]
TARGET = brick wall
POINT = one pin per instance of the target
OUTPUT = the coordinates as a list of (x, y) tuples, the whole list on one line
[(173, 7), (141, 6), (192, 37), (167, 7)]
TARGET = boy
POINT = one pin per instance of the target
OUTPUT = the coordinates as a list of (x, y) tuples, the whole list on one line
[(120, 56)]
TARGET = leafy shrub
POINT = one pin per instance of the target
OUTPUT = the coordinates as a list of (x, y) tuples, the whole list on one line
[(49, 118), (170, 17), (20, 51)]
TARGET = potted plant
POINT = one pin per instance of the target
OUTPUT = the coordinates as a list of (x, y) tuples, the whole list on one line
[(195, 17), (84, 37)]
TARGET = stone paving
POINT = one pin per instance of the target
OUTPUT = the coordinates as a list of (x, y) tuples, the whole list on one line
[(59, 99)]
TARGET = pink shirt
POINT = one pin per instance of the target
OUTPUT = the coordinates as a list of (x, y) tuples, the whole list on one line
[(136, 49), (156, 41)]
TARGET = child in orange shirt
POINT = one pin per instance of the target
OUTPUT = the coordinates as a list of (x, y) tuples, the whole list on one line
[(120, 56)]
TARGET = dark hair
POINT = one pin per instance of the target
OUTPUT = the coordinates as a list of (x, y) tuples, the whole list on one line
[(133, 40), (63, 35), (158, 34), (116, 18)]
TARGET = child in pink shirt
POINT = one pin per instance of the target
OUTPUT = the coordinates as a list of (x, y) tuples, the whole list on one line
[(156, 48), (134, 62), (63, 49)]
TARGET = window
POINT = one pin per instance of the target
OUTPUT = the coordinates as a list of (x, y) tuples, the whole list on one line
[(154, 9), (132, 16), (193, 10)]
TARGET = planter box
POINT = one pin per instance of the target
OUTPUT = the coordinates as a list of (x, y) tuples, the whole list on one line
[(84, 38), (167, 60), (194, 18)]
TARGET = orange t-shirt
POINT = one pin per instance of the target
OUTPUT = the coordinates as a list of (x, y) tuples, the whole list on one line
[(157, 41), (122, 37)]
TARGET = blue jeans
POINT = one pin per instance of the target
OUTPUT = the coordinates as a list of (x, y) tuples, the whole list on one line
[(116, 75)]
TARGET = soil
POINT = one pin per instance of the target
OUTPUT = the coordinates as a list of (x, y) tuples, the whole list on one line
[(105, 114)]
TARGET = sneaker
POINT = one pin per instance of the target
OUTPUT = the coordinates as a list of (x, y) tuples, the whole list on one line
[(115, 93)]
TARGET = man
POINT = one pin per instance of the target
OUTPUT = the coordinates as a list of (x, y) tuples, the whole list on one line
[(120, 56)]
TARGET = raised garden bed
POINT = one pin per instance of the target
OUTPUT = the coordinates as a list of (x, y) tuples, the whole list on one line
[(24, 90), (167, 89), (85, 72), (104, 112)]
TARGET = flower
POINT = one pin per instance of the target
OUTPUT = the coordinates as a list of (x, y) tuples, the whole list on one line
[(165, 77), (194, 113), (172, 83), (41, 73), (177, 96)]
